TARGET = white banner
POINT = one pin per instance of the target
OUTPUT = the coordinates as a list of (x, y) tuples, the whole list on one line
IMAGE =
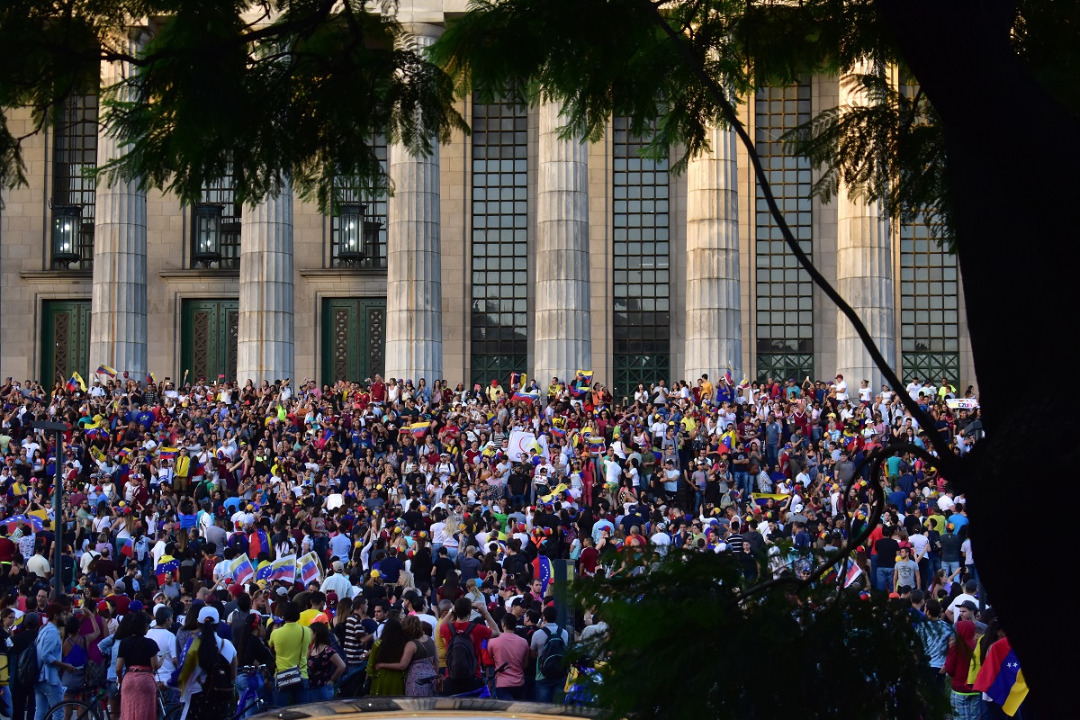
[(962, 403), (521, 442)]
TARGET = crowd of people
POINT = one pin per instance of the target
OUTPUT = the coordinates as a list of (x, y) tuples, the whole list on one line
[(399, 539)]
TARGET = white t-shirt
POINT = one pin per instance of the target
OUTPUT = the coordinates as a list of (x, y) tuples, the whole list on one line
[(841, 390), (194, 682), (166, 643)]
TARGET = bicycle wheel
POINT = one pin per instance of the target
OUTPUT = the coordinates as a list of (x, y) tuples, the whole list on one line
[(73, 710)]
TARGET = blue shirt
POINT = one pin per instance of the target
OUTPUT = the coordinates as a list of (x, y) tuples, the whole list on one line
[(49, 652)]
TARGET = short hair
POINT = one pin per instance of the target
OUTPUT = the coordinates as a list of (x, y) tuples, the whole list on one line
[(509, 622), (291, 612), (463, 608), (550, 614)]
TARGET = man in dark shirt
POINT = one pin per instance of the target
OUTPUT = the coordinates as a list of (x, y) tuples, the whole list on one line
[(391, 567), (443, 565), (886, 549)]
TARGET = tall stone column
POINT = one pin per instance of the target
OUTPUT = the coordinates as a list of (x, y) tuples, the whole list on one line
[(713, 307), (863, 274), (414, 257), (562, 339), (265, 326), (118, 297)]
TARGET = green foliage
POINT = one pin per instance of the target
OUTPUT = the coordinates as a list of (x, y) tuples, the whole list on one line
[(299, 98), (270, 91), (688, 641), (889, 147)]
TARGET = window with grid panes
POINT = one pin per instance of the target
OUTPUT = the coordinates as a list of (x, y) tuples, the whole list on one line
[(222, 192), (374, 209), (642, 282), (929, 307), (784, 314), (74, 157), (500, 317)]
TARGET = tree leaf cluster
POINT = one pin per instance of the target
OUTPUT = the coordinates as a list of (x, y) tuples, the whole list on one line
[(267, 92), (686, 641)]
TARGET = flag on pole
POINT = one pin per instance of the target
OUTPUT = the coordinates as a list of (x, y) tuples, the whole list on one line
[(240, 569), (853, 574), (106, 370), (150, 379), (525, 397), (284, 568), (307, 568)]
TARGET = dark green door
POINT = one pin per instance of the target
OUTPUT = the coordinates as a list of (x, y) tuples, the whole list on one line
[(208, 332), (353, 338), (65, 335)]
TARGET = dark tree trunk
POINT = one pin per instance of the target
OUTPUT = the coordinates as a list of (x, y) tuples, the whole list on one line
[(1014, 171)]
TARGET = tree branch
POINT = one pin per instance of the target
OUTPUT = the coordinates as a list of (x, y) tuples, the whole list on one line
[(948, 460)]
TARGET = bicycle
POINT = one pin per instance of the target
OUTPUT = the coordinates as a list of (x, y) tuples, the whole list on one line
[(96, 707), (250, 701), (487, 690)]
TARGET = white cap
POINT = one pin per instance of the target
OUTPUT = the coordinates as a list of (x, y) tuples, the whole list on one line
[(208, 613)]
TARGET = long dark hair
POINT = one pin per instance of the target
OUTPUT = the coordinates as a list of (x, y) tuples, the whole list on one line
[(208, 649), (392, 644)]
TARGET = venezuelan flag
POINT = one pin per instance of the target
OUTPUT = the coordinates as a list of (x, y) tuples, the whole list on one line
[(419, 429), (595, 443), (127, 547), (106, 370), (167, 565), (1001, 677), (525, 397), (168, 453), (764, 498)]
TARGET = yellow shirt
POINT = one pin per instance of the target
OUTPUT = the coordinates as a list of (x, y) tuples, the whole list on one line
[(308, 616), (290, 644)]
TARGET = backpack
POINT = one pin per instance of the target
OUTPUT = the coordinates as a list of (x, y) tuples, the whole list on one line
[(552, 657), (27, 669), (460, 654), (219, 681)]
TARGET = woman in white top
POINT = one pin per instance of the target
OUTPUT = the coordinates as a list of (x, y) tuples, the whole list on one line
[(199, 659)]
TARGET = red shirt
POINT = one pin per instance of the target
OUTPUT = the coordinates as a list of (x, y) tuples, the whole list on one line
[(588, 559), (7, 550), (480, 633)]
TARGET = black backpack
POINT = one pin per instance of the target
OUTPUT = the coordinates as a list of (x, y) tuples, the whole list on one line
[(460, 654), (552, 658), (219, 681), (27, 668)]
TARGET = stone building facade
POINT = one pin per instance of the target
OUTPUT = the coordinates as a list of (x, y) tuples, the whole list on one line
[(508, 249)]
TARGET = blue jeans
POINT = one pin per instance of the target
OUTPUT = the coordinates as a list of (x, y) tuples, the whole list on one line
[(46, 695), (950, 567), (321, 694), (884, 579), (295, 695), (745, 487), (510, 693), (545, 690)]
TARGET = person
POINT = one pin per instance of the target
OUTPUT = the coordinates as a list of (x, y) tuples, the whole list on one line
[(510, 653), (49, 647), (76, 655), (325, 666), (419, 659), (388, 679), (201, 700), (964, 699), (547, 686), (136, 663), (291, 644), (461, 623)]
